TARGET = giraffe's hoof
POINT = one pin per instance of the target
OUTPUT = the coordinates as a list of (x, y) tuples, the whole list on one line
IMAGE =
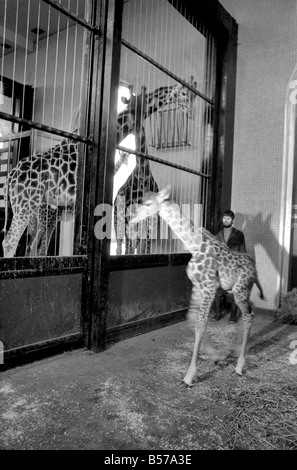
[(185, 385), (237, 372)]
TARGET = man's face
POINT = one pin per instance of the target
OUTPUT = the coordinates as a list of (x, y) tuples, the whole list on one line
[(227, 221)]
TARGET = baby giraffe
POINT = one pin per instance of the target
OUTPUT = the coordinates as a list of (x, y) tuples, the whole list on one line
[(211, 262)]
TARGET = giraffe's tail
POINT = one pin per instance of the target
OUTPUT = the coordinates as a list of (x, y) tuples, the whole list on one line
[(257, 282)]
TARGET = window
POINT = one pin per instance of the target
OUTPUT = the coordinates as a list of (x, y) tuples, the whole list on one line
[(169, 60)]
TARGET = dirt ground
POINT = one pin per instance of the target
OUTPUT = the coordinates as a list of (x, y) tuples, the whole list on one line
[(129, 397)]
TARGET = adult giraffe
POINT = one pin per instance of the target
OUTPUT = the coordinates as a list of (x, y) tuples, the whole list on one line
[(41, 190), (141, 180)]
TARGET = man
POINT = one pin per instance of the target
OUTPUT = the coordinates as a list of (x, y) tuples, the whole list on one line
[(235, 240)]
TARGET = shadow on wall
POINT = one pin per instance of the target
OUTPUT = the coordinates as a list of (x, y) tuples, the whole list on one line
[(258, 231)]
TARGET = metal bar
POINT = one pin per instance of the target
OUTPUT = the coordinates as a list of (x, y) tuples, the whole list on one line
[(4, 150), (165, 70), (85, 89), (16, 136), (163, 162), (101, 166), (74, 17), (43, 127), (42, 344), (41, 266), (31, 352), (121, 263)]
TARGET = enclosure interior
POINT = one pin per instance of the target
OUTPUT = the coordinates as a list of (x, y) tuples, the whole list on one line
[(167, 95), (44, 81), (174, 87)]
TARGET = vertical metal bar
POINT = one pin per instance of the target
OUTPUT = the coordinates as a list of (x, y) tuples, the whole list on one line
[(88, 63), (53, 119), (64, 86), (36, 66), (3, 44), (101, 164), (14, 54), (205, 124)]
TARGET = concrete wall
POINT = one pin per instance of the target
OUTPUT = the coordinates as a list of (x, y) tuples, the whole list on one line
[(267, 45), (54, 70)]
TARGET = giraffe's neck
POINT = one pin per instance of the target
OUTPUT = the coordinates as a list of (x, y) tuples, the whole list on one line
[(125, 126), (142, 106), (180, 225), (141, 146), (131, 121), (158, 98)]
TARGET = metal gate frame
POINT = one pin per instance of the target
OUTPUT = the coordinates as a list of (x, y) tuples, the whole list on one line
[(17, 268), (101, 264), (92, 257)]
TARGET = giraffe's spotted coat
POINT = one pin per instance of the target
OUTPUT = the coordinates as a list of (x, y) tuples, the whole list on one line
[(141, 179), (211, 262), (41, 188)]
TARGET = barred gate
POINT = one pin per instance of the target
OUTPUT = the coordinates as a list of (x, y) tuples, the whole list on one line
[(100, 102), (46, 59), (177, 61)]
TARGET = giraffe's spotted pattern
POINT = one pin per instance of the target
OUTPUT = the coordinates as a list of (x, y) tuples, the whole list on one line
[(141, 179), (41, 188), (211, 263)]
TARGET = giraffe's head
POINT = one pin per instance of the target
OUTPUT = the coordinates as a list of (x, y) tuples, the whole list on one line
[(132, 116), (150, 204), (183, 96), (180, 95)]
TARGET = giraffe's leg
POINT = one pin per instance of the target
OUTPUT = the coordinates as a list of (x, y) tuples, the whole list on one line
[(131, 245), (49, 228), (42, 230), (131, 237), (233, 311), (119, 247), (191, 372), (119, 223), (36, 229), (201, 300), (13, 236), (143, 246), (149, 232), (32, 231), (242, 301), (119, 238)]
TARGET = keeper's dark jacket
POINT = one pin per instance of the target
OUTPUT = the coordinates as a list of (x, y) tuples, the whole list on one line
[(236, 240)]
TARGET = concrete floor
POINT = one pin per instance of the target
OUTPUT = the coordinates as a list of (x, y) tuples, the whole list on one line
[(129, 397)]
